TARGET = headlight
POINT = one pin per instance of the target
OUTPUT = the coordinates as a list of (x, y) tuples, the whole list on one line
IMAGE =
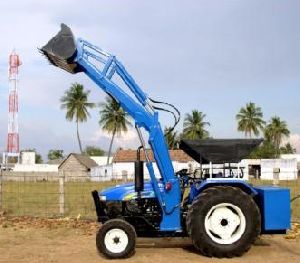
[(102, 198)]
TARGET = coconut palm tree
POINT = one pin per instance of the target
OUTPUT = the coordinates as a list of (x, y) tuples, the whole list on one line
[(113, 119), (171, 138), (287, 149), (250, 120), (75, 101), (194, 126), (55, 154), (275, 131)]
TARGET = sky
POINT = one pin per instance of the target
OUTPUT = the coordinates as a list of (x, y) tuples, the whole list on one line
[(209, 55)]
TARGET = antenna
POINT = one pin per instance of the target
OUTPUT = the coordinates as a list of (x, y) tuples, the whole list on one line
[(13, 108)]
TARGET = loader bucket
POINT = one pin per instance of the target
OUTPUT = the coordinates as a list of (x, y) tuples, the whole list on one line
[(61, 50)]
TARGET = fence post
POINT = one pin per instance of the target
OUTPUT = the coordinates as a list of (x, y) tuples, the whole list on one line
[(1, 189), (61, 180), (276, 172)]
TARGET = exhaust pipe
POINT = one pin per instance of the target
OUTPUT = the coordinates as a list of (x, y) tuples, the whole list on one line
[(139, 173), (61, 50)]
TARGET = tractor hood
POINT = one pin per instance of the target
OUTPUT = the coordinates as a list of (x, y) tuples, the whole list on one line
[(125, 192)]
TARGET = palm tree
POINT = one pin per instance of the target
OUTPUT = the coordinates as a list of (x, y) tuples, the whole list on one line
[(75, 101), (250, 120), (171, 138), (194, 126), (275, 131), (113, 119), (287, 149), (55, 154)]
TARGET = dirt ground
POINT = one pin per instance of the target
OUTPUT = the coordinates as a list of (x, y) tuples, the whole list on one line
[(23, 240)]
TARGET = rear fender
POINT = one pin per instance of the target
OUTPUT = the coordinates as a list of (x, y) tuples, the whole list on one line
[(198, 188)]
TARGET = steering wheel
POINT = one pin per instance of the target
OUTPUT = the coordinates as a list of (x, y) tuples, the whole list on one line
[(185, 177)]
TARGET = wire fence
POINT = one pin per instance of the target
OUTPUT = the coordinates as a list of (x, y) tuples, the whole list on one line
[(48, 195), (55, 195)]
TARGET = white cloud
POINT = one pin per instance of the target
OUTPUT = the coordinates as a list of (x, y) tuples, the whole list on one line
[(125, 140)]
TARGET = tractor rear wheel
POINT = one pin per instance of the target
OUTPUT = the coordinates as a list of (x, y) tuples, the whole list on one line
[(116, 239), (223, 222)]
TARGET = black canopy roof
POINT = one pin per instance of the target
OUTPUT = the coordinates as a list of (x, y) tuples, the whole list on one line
[(219, 150)]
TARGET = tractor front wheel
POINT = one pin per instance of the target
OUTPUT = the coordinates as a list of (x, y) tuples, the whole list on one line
[(223, 222), (116, 239)]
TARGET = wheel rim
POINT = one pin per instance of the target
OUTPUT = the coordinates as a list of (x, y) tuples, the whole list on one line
[(225, 223), (116, 240)]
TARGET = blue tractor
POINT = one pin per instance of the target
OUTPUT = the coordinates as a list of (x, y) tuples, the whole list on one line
[(223, 217)]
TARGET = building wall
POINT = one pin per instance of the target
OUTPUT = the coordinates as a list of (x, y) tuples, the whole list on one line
[(288, 169), (101, 160), (293, 156), (36, 168), (29, 176), (27, 158), (125, 170)]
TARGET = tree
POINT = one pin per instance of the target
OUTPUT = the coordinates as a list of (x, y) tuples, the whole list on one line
[(250, 120), (55, 154), (265, 151), (113, 119), (171, 138), (38, 157), (194, 126), (75, 101), (275, 131), (287, 149), (94, 151)]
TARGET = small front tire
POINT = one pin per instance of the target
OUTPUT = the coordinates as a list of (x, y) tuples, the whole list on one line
[(116, 239)]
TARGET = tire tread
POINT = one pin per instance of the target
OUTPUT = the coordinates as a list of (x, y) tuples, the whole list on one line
[(202, 241)]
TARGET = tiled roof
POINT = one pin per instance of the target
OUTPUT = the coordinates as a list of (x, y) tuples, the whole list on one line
[(131, 156)]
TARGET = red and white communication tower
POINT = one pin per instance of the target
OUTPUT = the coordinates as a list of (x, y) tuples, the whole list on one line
[(13, 105)]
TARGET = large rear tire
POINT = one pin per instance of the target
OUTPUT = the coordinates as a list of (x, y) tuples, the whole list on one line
[(223, 222), (116, 239)]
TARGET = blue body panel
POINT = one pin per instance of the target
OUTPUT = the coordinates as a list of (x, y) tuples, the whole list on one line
[(127, 191), (275, 208)]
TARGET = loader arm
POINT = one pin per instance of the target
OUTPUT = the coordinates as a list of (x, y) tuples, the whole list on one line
[(79, 55)]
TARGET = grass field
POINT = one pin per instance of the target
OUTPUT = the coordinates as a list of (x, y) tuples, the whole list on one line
[(42, 198)]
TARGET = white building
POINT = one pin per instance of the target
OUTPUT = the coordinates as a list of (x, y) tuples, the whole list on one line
[(287, 169), (122, 166), (292, 156), (27, 164), (27, 158), (39, 167), (264, 168), (101, 160)]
